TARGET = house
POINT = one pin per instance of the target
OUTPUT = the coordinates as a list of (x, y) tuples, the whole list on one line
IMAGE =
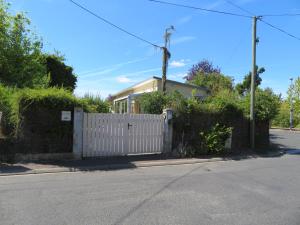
[(125, 101)]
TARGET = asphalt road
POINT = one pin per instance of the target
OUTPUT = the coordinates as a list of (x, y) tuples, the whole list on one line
[(287, 140), (262, 191)]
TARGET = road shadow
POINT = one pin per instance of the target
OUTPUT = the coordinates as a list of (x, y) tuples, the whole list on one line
[(86, 164), (8, 168), (110, 163), (286, 141)]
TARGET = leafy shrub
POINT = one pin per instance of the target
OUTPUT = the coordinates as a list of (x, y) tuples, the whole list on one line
[(214, 81), (14, 102), (156, 102), (227, 104), (96, 104), (6, 108), (152, 103), (282, 119), (266, 104), (213, 141)]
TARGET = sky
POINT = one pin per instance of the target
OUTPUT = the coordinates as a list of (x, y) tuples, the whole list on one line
[(107, 60)]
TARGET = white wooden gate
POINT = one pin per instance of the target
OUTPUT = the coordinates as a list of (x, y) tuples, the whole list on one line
[(122, 134)]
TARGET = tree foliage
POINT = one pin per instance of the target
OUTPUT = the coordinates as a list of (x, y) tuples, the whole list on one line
[(244, 87), (267, 104), (156, 102), (205, 67), (213, 141), (206, 74), (60, 74), (152, 103), (215, 82), (282, 119), (21, 59), (293, 97), (96, 103)]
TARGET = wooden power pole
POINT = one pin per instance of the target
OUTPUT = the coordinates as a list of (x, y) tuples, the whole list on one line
[(253, 81), (166, 56), (291, 106), (164, 68)]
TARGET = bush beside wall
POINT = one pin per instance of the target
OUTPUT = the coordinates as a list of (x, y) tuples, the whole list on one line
[(35, 118)]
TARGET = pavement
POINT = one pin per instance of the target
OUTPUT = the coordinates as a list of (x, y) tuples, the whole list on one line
[(278, 137), (114, 163)]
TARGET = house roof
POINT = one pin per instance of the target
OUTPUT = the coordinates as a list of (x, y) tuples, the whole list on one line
[(158, 78), (183, 84)]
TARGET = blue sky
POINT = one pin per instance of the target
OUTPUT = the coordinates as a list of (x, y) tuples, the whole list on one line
[(107, 60)]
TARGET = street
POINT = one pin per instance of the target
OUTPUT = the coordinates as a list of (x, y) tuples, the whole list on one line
[(287, 140), (258, 191)]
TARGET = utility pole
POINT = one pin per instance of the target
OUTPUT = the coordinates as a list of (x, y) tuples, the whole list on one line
[(253, 81), (292, 105), (166, 56)]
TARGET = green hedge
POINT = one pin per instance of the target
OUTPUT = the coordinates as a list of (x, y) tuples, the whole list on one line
[(227, 108), (6, 107), (13, 102), (34, 116)]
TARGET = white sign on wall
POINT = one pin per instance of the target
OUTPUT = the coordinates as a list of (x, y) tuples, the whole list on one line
[(66, 116)]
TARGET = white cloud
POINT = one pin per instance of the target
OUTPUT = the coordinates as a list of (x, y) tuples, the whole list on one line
[(178, 63), (182, 39), (177, 76), (124, 79), (138, 73), (184, 20), (108, 69)]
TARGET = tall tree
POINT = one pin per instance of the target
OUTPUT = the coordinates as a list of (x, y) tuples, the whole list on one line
[(60, 74), (21, 59), (206, 67), (293, 95), (244, 87), (206, 74)]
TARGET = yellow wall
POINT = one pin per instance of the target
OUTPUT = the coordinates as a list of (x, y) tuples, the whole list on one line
[(154, 85), (185, 90), (147, 87)]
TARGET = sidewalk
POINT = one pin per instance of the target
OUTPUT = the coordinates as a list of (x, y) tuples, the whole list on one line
[(115, 163)]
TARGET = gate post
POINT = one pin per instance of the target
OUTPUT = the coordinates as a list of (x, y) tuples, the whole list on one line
[(78, 133), (168, 130)]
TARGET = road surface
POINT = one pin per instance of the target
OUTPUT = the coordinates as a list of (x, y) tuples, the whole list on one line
[(262, 191), (287, 140)]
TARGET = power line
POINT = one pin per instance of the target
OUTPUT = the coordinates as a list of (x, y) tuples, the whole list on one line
[(264, 15), (113, 25), (265, 22), (279, 29), (198, 8), (284, 14), (240, 8)]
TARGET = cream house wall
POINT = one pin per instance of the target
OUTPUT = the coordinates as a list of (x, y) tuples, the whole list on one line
[(186, 91), (125, 101), (148, 86)]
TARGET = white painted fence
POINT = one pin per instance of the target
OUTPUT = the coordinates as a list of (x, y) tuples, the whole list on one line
[(121, 134)]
